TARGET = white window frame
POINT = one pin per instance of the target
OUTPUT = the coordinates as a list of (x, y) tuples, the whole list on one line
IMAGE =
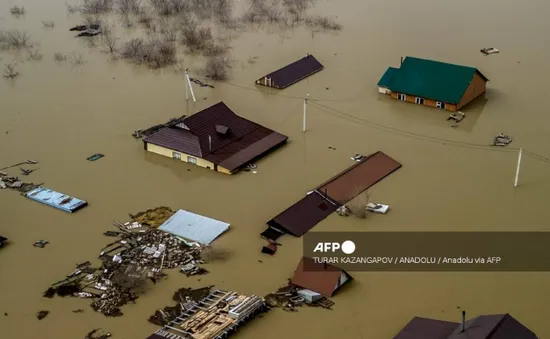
[(419, 100), (440, 104), (176, 155), (401, 97), (191, 160)]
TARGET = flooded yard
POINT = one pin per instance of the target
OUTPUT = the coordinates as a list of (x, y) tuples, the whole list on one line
[(72, 98)]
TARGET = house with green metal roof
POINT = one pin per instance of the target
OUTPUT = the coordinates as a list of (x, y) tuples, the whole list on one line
[(433, 83)]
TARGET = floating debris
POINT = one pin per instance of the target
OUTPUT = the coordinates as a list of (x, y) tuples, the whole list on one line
[(92, 335), (2, 240), (127, 263), (153, 217), (343, 211), (358, 157), (55, 199), (26, 162), (151, 130), (502, 140), (41, 243), (95, 157), (42, 314), (457, 117), (3, 185), (270, 249), (3, 174), (378, 208), (183, 297), (78, 311), (290, 296), (200, 83), (489, 50), (81, 28), (26, 171)]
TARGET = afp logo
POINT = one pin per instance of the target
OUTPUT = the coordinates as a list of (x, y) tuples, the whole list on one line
[(348, 247)]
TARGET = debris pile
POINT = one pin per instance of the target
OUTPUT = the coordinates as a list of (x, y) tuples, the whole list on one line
[(200, 83), (456, 117), (153, 217), (126, 264), (343, 211), (42, 314), (40, 243), (183, 297), (2, 240), (86, 30), (93, 335), (502, 140), (358, 157), (14, 182), (489, 50), (289, 298)]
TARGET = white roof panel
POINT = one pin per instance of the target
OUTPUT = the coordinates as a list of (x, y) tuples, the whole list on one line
[(194, 227)]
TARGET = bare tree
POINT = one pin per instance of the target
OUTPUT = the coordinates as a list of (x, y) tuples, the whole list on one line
[(17, 11), (48, 24), (128, 6), (59, 57), (169, 30), (35, 55), (96, 6), (14, 39), (10, 72), (323, 23), (110, 41), (217, 68), (77, 59)]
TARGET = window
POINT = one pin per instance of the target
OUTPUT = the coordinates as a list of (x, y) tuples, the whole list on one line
[(419, 101), (191, 160), (176, 155), (401, 97), (440, 104)]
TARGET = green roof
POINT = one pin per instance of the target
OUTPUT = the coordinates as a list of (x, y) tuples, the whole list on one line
[(430, 79), (386, 78)]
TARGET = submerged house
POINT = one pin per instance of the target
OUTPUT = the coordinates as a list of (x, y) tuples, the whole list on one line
[(324, 279), (433, 83), (291, 73), (494, 326), (215, 138)]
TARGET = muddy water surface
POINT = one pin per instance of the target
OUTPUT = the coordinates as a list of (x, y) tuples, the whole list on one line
[(59, 114)]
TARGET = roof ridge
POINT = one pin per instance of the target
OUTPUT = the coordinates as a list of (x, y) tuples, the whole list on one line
[(497, 326)]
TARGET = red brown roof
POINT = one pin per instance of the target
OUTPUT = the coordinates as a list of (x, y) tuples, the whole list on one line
[(424, 328), (220, 136), (356, 179), (294, 72), (494, 326), (320, 278)]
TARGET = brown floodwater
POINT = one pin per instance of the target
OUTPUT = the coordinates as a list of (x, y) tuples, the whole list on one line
[(59, 114)]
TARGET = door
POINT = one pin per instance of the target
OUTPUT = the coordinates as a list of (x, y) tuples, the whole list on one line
[(176, 155)]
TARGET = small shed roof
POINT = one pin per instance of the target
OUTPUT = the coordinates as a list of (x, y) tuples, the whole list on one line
[(424, 328), (386, 78), (56, 199), (295, 71), (321, 278), (431, 79), (194, 227)]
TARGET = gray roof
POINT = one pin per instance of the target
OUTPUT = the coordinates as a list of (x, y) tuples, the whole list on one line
[(194, 227)]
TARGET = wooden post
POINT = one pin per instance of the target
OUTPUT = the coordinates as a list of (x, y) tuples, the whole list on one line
[(517, 169), (188, 80), (305, 112)]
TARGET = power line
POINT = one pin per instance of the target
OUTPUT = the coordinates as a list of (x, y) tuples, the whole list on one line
[(404, 133), (252, 89)]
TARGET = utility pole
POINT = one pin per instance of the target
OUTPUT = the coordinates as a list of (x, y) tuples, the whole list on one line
[(305, 111), (517, 169), (188, 87)]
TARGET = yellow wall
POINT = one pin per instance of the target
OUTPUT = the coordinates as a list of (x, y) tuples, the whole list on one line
[(168, 153)]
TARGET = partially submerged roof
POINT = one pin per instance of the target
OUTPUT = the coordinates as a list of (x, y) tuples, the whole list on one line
[(294, 72), (430, 79), (359, 177), (386, 78), (496, 326), (194, 227), (424, 328), (321, 278), (55, 199), (220, 136), (299, 218)]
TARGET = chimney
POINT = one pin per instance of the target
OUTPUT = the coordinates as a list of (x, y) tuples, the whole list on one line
[(401, 60), (209, 143), (463, 322)]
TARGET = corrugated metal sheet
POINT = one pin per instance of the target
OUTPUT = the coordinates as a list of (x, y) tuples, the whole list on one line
[(294, 72), (194, 227), (299, 218), (55, 199), (424, 328), (321, 278), (356, 179)]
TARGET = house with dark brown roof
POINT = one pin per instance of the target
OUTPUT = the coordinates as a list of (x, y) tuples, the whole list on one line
[(215, 138), (291, 73), (322, 278), (495, 326)]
